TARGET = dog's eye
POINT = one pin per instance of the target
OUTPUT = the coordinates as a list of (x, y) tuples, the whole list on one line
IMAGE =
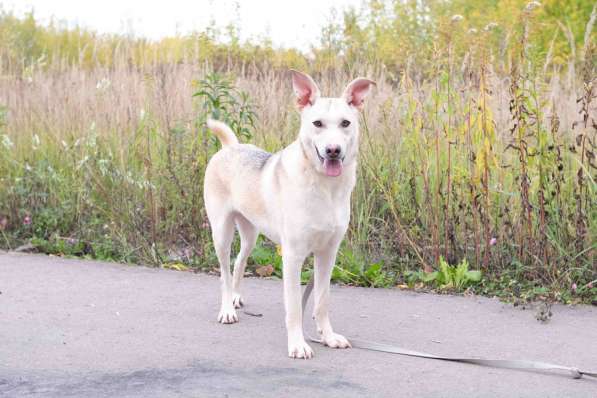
[(345, 123), (317, 123)]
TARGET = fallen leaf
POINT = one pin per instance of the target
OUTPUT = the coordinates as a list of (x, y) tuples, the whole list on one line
[(265, 270), (176, 266)]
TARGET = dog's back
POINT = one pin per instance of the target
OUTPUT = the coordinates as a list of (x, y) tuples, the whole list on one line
[(233, 181)]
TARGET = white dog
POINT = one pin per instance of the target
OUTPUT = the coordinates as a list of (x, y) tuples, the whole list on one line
[(298, 198)]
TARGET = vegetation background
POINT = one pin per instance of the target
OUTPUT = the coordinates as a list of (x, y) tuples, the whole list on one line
[(477, 167)]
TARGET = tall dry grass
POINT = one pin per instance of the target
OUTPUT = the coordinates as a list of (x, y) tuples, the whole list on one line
[(465, 163)]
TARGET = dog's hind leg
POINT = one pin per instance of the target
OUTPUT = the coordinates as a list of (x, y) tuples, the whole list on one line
[(248, 237), (222, 228)]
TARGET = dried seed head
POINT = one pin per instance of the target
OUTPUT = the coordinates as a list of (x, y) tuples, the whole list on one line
[(490, 26), (532, 5), (456, 18)]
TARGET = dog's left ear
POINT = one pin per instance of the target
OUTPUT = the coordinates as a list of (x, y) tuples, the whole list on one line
[(357, 90)]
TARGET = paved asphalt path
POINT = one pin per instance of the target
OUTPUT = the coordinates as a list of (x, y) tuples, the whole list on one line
[(71, 328)]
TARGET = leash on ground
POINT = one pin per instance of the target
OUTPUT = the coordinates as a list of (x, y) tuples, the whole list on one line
[(494, 363)]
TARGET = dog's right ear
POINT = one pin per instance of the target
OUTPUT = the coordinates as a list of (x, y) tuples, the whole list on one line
[(305, 89)]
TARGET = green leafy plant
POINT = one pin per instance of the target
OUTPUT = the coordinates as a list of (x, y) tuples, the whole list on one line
[(222, 100), (448, 276), (60, 246), (456, 277), (262, 255)]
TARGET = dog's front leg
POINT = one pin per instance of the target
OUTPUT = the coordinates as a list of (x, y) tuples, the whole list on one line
[(292, 263), (324, 262)]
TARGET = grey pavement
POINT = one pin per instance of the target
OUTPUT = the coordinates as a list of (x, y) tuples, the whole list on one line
[(73, 328)]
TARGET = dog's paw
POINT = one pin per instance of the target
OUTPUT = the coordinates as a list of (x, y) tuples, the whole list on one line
[(237, 301), (300, 349), (335, 340), (227, 315)]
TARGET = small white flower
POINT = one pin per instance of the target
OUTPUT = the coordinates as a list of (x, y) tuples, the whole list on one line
[(82, 162), (142, 114), (36, 141), (7, 142), (103, 84), (472, 31), (490, 26), (532, 5), (456, 18), (27, 167)]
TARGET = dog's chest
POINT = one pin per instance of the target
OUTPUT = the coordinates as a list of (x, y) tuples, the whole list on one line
[(325, 216)]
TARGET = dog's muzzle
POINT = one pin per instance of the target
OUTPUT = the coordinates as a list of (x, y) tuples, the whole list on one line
[(332, 162)]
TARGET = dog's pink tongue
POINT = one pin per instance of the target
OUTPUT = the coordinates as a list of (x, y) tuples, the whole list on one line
[(332, 167)]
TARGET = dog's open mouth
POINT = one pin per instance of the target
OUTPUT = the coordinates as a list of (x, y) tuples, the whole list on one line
[(332, 167)]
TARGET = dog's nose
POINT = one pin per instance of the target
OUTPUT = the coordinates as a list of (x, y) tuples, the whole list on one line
[(333, 151)]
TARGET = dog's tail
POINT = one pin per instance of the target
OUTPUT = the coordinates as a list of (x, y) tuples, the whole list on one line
[(224, 133)]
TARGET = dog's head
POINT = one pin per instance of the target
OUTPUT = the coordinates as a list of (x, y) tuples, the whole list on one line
[(329, 126)]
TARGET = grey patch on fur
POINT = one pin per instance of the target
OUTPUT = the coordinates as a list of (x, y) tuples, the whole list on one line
[(253, 156)]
